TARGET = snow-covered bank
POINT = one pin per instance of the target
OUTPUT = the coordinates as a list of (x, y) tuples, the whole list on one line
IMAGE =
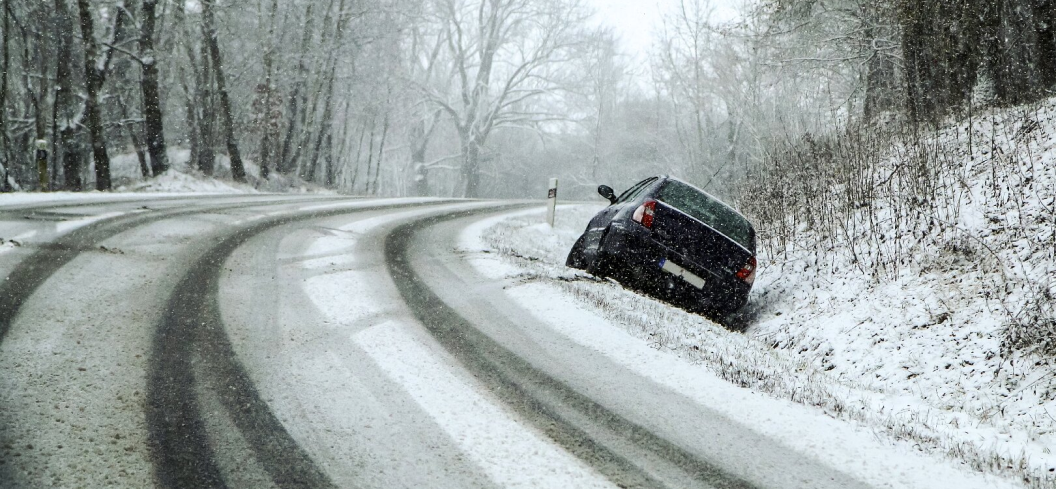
[(532, 254), (943, 302), (180, 179)]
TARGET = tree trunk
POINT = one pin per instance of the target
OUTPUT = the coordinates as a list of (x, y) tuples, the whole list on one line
[(284, 164), (193, 95), (312, 111), (370, 156), (421, 176), (193, 138), (326, 126), (331, 162), (136, 146), (95, 74), (421, 133), (324, 131), (359, 152), (5, 58), (881, 85), (154, 121), (1019, 80), (65, 101), (288, 163), (265, 138), (381, 151), (238, 172), (206, 115), (1045, 16), (471, 168), (881, 70), (265, 153)]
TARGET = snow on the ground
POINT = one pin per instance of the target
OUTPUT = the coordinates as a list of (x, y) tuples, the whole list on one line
[(74, 364), (509, 454), (174, 181), (337, 266), (180, 179), (11, 242), (914, 419), (821, 437), (962, 324), (8, 245)]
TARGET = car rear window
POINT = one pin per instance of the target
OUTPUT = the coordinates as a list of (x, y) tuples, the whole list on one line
[(709, 211)]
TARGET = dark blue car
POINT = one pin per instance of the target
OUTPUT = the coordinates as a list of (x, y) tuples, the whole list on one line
[(671, 238)]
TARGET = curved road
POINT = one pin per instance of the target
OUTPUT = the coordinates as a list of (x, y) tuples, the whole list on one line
[(266, 341)]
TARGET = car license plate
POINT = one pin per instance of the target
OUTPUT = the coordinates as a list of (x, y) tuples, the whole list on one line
[(676, 270)]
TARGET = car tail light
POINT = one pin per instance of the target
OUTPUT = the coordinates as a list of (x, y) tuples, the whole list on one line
[(644, 213), (748, 272)]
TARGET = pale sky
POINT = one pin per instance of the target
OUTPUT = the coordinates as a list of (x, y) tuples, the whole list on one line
[(637, 21)]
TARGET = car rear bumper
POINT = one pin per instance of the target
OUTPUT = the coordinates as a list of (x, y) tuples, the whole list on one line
[(636, 255)]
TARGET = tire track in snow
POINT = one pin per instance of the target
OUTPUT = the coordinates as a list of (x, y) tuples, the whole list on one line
[(33, 271), (191, 341), (506, 451), (569, 418)]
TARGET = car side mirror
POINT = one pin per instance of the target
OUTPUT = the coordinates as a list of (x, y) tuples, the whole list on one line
[(606, 191)]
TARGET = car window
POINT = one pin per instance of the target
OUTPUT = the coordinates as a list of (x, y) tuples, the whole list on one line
[(709, 211), (634, 191)]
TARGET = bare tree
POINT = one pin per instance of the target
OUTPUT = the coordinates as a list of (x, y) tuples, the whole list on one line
[(606, 76), (502, 55), (238, 171), (66, 102), (685, 52), (298, 100), (5, 58), (424, 45), (324, 135), (154, 119), (96, 66), (269, 119)]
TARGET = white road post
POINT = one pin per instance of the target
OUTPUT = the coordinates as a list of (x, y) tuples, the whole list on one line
[(551, 202)]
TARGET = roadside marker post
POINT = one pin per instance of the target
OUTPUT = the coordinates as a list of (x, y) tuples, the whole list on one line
[(551, 202)]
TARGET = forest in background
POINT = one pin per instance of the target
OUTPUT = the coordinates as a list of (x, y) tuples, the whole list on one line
[(489, 97)]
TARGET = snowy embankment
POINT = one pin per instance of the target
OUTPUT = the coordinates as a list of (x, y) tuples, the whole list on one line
[(180, 179), (909, 416), (962, 325)]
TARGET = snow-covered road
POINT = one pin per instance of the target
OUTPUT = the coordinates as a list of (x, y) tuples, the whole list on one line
[(303, 342)]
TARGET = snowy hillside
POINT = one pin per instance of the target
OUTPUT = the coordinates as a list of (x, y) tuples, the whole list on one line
[(930, 321), (961, 322)]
